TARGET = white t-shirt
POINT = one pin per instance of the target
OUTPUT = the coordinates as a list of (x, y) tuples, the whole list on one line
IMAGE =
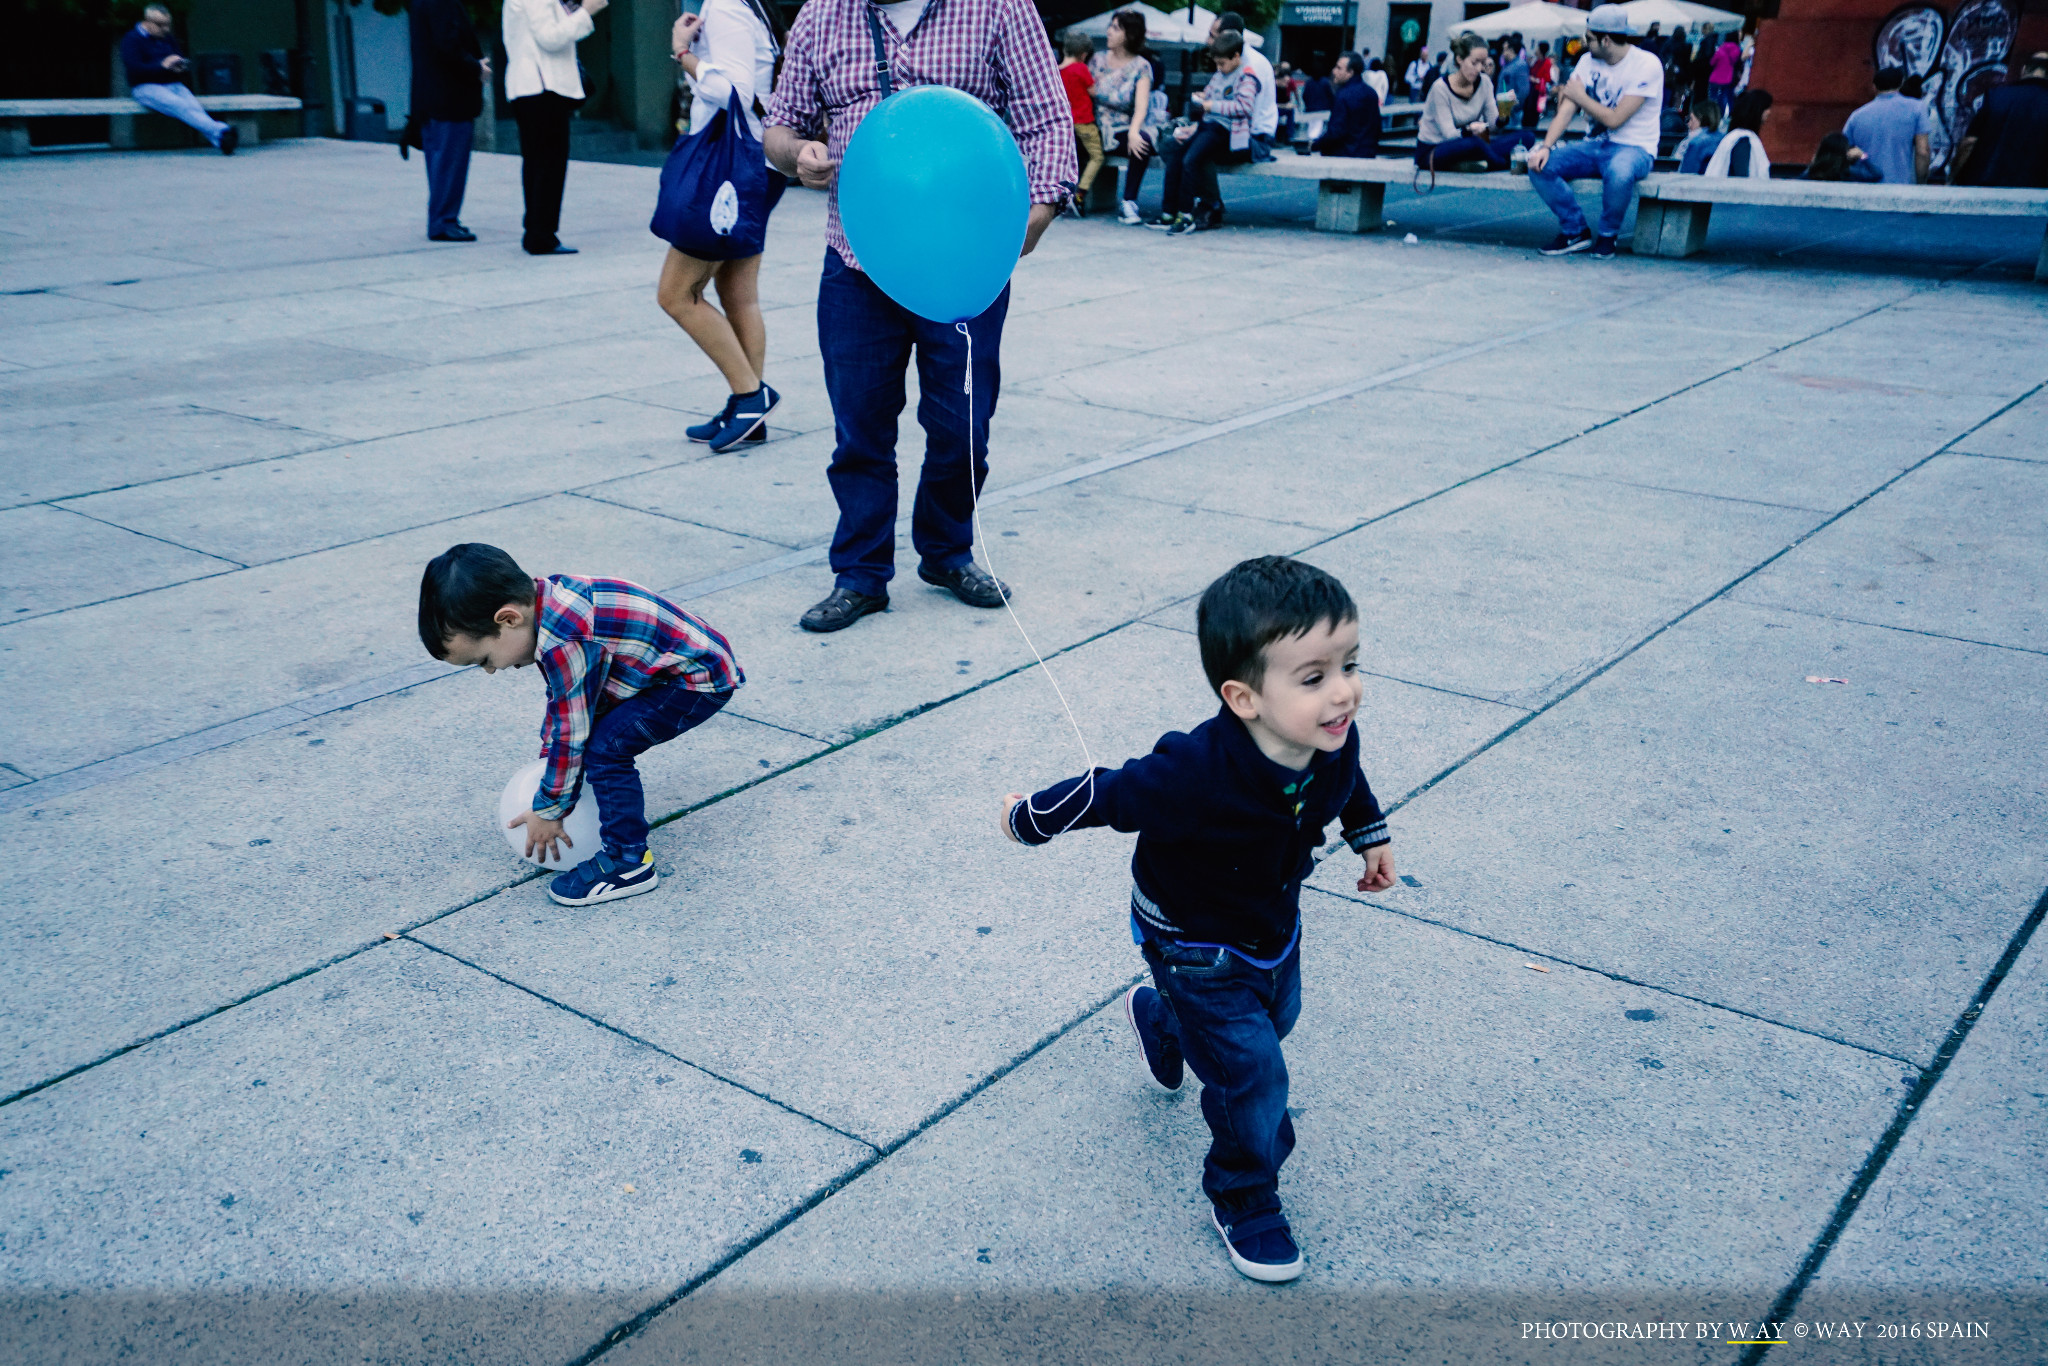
[(904, 14), (1637, 73), (1265, 104)]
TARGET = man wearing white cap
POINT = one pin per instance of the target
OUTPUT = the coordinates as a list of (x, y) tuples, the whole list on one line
[(1621, 89)]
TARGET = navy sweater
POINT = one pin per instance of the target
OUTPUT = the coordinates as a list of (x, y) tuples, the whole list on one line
[(144, 55), (1224, 834)]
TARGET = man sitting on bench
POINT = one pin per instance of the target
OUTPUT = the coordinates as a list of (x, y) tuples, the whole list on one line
[(156, 65), (1354, 127), (1621, 89)]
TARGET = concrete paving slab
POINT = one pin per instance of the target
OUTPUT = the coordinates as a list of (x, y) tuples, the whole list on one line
[(51, 559), (1139, 557), (345, 493), (801, 382), (1848, 859), (1952, 549), (40, 309), (57, 451), (2015, 434), (1768, 437), (400, 1158), (1491, 591), (1925, 350), (231, 871), (1333, 466), (759, 957), (1480, 1145), (351, 614), (25, 270), (479, 332), (1642, 361), (1952, 1232)]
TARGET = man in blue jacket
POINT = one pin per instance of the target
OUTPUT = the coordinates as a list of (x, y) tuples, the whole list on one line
[(1354, 126), (449, 74), (156, 66)]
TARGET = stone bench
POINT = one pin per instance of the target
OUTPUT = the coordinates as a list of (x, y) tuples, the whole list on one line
[(243, 111), (1350, 193), (1672, 210)]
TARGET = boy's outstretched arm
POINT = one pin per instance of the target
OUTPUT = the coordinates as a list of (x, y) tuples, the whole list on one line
[(1365, 830), (1379, 869)]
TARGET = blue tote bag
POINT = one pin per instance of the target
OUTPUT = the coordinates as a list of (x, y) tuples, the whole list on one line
[(714, 190)]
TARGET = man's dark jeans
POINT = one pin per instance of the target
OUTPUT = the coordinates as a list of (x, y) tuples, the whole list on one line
[(865, 338), (446, 145), (1191, 166), (635, 725), (1230, 1018)]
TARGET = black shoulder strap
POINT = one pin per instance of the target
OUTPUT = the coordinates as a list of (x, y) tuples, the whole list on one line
[(882, 77)]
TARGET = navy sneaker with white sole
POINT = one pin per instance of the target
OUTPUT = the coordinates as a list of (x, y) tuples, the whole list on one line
[(1261, 1246), (704, 431), (604, 877), (749, 415), (1163, 1064)]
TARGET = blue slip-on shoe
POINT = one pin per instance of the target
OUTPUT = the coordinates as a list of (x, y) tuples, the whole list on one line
[(1163, 1066), (749, 415), (1261, 1246), (604, 877), (704, 431)]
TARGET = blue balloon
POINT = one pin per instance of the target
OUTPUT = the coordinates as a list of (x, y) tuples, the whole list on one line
[(934, 200)]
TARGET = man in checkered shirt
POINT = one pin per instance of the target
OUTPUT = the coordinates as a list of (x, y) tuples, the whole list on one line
[(996, 51)]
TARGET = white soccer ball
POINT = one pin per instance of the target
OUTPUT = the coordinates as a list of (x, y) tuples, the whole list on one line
[(581, 827)]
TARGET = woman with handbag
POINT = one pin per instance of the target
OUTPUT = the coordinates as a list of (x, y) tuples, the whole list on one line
[(729, 52), (545, 85)]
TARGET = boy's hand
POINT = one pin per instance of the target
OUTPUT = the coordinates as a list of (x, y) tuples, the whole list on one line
[(541, 833), (1379, 869), (1009, 800)]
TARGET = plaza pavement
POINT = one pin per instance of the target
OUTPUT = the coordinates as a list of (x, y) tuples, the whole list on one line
[(1708, 995)]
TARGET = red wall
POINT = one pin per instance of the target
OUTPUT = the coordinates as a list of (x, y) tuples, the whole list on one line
[(1814, 58)]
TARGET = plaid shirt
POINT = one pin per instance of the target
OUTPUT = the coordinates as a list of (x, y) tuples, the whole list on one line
[(600, 642), (1227, 100), (995, 50)]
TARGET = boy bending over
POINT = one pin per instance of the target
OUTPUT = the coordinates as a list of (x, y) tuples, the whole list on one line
[(1227, 817), (626, 670)]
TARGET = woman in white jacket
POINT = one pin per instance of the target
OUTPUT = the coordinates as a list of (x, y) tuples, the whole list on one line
[(729, 48), (544, 87)]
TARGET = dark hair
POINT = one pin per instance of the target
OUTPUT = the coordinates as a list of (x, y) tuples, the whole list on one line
[(1708, 113), (1543, 48), (1228, 42), (1830, 159), (1465, 44), (1133, 25), (1258, 602), (1375, 65), (1748, 114), (1889, 78), (1230, 19), (463, 588), (1913, 87), (1353, 61), (1077, 44)]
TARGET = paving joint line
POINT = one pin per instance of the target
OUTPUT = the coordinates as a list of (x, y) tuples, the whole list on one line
[(631, 1037), (1689, 493), (1617, 976), (667, 517), (1909, 1109), (1887, 626), (620, 1332), (147, 536)]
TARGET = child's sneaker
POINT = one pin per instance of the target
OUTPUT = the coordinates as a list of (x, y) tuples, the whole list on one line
[(748, 417), (704, 431), (1163, 1067), (1261, 1246), (1131, 217), (605, 877)]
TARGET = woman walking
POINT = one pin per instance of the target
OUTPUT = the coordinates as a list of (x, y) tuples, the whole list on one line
[(544, 87), (730, 48), (1123, 103)]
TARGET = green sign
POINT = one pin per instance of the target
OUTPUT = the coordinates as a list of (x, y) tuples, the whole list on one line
[(1411, 32)]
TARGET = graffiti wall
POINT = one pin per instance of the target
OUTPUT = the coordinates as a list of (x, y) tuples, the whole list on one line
[(1817, 57)]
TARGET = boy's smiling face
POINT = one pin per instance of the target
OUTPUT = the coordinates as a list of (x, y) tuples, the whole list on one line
[(1308, 697), (513, 646)]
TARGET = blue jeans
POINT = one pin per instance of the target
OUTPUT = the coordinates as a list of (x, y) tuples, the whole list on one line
[(1494, 151), (1619, 167), (177, 101), (446, 145), (1230, 1018), (639, 723), (865, 339)]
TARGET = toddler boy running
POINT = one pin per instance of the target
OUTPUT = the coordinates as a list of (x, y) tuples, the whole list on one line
[(1227, 817), (625, 669)]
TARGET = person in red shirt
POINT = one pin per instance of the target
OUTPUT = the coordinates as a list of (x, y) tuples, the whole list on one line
[(1080, 81), (1542, 72)]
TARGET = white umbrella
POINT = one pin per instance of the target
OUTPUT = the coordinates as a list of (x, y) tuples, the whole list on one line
[(1672, 13), (1537, 22), (1170, 30)]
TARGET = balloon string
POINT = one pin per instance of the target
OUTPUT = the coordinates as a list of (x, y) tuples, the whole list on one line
[(981, 540)]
